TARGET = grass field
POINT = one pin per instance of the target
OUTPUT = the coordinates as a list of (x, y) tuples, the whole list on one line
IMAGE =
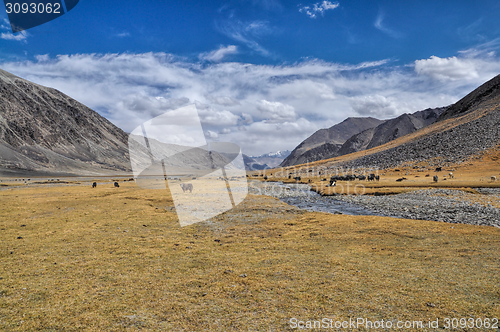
[(115, 259)]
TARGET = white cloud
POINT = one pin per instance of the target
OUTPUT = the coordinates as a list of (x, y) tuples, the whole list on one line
[(444, 69), (153, 106), (247, 33), (274, 111), (318, 8), (377, 106), (259, 107), (245, 119), (379, 25), (42, 57), (219, 54), (20, 36), (211, 134), (484, 50), (218, 118), (123, 34), (223, 100)]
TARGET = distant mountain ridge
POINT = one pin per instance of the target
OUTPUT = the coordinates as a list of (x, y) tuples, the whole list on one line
[(268, 160), (43, 130), (252, 165), (390, 130), (334, 136), (277, 154)]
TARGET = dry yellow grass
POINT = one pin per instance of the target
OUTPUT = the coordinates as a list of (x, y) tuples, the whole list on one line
[(117, 260)]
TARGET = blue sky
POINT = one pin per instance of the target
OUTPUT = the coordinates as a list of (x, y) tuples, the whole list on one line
[(263, 73)]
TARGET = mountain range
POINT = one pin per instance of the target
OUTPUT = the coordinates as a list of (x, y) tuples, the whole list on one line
[(44, 131)]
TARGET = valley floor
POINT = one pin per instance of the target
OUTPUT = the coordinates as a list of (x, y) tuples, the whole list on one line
[(77, 258)]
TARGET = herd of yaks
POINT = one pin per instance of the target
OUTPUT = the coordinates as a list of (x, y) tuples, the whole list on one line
[(371, 177)]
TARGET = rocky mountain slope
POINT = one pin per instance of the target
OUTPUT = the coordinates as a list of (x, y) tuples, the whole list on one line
[(42, 130), (390, 130), (334, 137)]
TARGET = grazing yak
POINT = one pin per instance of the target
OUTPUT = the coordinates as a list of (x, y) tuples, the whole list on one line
[(94, 185), (371, 177), (435, 178), (186, 186), (117, 185), (438, 169), (451, 175)]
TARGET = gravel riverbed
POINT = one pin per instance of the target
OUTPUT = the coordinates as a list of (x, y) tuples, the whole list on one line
[(452, 206)]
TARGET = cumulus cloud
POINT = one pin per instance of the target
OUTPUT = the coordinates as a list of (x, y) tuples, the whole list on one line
[(259, 107), (211, 135), (376, 106), (42, 57), (219, 54), (451, 68), (274, 111), (318, 8), (218, 118)]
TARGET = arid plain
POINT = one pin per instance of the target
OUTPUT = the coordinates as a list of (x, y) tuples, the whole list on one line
[(77, 258)]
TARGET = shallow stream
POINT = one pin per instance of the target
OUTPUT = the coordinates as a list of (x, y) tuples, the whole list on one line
[(301, 196)]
